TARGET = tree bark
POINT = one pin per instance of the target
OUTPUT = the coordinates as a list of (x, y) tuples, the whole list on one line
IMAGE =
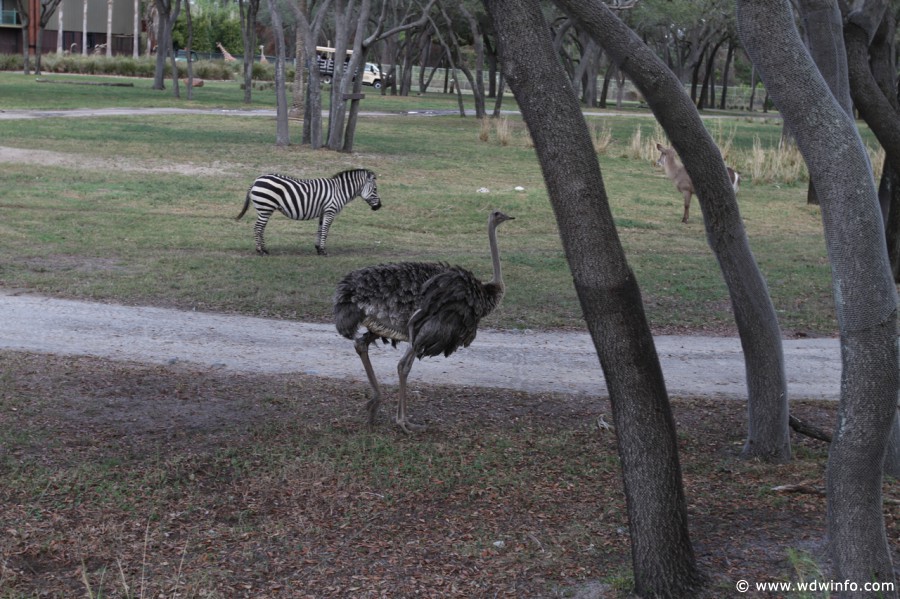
[(167, 11), (109, 22), (188, 48), (864, 292), (822, 22), (282, 134), (249, 10), (25, 18), (729, 56), (312, 119), (59, 32), (885, 109), (662, 555), (768, 432)]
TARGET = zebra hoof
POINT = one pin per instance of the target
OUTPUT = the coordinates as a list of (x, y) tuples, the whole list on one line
[(321, 251), (262, 252)]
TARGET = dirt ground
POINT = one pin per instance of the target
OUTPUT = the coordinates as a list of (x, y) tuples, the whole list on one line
[(178, 481)]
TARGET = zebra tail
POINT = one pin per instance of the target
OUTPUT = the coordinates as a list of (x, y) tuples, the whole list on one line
[(246, 205)]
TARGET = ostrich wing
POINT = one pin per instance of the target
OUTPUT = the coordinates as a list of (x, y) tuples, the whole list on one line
[(382, 298), (451, 305)]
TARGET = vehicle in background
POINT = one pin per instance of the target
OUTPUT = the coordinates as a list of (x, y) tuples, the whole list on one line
[(325, 60), (181, 56)]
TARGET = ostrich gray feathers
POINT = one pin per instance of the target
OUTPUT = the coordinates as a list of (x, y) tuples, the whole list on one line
[(382, 298)]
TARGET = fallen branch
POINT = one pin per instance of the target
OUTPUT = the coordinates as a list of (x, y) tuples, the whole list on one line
[(809, 430), (806, 486), (106, 83), (810, 487)]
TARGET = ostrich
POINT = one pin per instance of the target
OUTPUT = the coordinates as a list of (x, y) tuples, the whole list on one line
[(433, 306)]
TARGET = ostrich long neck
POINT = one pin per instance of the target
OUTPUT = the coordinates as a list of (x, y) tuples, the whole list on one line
[(495, 256)]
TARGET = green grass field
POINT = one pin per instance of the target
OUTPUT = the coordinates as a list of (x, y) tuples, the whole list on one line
[(139, 209)]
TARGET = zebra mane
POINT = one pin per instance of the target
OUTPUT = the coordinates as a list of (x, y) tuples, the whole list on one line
[(350, 171)]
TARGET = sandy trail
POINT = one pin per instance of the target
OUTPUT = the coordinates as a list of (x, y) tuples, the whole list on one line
[(523, 360)]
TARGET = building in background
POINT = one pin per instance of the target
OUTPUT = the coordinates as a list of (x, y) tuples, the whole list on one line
[(73, 26)]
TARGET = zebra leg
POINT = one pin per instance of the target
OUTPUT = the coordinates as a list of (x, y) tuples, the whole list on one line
[(324, 224), (262, 219), (403, 369), (362, 349)]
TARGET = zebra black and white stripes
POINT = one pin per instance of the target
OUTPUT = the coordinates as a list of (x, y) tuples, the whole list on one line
[(305, 199)]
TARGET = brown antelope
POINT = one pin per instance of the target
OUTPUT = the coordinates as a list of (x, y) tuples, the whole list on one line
[(676, 173)]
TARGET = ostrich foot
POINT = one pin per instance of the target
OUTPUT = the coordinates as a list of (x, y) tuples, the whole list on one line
[(409, 427)]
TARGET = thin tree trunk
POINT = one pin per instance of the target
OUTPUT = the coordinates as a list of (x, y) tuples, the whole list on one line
[(752, 86), (301, 64), (109, 22), (249, 10), (725, 71), (705, 100), (84, 31), (60, 30), (190, 44), (136, 48), (282, 135)]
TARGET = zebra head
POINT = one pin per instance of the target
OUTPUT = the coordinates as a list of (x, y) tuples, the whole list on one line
[(369, 191)]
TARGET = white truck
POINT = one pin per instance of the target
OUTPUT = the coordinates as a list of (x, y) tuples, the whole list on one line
[(325, 59)]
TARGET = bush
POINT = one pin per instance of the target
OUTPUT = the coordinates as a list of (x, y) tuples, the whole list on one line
[(124, 66), (11, 62)]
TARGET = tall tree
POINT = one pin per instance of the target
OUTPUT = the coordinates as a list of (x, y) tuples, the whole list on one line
[(864, 293), (822, 23), (84, 29), (47, 8), (59, 31), (136, 47), (301, 63), (662, 555), (167, 12), (25, 19), (768, 432), (109, 27), (249, 12), (878, 106), (310, 26), (188, 48), (282, 133)]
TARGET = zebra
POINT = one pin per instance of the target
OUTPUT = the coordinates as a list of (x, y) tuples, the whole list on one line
[(305, 199)]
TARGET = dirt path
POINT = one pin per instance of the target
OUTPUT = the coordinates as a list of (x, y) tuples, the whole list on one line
[(523, 360)]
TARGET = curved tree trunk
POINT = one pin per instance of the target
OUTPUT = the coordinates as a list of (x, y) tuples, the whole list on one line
[(662, 554), (874, 75), (864, 292), (768, 430), (822, 23)]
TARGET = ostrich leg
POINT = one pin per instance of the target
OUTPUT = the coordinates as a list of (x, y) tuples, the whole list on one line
[(403, 369), (362, 348)]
